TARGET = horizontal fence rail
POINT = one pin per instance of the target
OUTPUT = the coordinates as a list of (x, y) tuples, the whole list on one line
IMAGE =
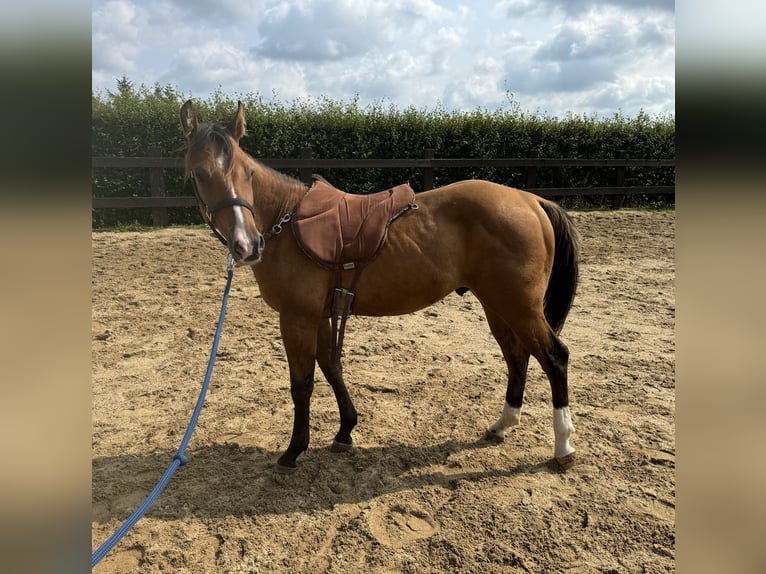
[(423, 163), (307, 164)]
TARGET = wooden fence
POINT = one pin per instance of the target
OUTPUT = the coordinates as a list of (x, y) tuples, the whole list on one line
[(307, 164)]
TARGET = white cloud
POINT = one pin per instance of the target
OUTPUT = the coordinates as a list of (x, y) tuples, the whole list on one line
[(219, 63), (230, 13), (317, 30), (443, 46), (520, 8), (116, 33), (552, 55), (603, 55)]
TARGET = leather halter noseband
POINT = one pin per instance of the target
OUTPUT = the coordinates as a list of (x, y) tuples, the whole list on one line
[(208, 211)]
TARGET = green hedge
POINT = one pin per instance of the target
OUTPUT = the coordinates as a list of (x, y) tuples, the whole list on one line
[(128, 121)]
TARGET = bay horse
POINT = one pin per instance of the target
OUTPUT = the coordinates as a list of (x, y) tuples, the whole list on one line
[(515, 251)]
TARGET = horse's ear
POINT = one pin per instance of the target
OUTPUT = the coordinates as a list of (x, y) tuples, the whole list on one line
[(189, 121), (237, 126)]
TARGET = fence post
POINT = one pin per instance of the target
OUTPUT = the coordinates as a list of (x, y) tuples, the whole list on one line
[(305, 172), (428, 172), (157, 189), (530, 173), (619, 180)]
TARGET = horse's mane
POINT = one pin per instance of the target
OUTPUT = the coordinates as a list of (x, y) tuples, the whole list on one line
[(280, 179)]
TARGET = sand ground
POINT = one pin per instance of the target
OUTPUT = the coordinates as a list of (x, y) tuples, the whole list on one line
[(421, 491)]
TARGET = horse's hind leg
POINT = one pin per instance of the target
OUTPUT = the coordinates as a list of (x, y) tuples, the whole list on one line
[(517, 360), (519, 338), (556, 369), (333, 372), (553, 356)]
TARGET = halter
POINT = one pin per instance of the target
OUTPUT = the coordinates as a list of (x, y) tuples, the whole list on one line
[(207, 211), (207, 214)]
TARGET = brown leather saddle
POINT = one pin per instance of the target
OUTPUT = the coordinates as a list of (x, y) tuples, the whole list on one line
[(343, 231)]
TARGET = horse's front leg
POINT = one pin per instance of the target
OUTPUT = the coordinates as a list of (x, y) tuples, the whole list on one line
[(333, 372), (300, 340)]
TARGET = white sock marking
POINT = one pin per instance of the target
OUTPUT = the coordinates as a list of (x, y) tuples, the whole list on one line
[(562, 430), (510, 417)]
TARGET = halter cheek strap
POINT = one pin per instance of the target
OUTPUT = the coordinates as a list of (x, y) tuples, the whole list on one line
[(230, 202), (207, 211), (207, 215)]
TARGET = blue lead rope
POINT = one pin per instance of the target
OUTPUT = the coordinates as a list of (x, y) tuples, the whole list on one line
[(179, 459)]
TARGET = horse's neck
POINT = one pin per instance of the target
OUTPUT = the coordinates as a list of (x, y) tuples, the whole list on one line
[(275, 195)]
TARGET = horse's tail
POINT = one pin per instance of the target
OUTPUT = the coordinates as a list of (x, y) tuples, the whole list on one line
[(562, 284)]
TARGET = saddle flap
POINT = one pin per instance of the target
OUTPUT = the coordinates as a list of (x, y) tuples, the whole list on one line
[(337, 229)]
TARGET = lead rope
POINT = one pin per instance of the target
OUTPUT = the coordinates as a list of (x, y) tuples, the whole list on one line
[(179, 459)]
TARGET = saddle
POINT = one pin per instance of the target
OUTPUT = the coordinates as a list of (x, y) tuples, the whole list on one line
[(342, 231)]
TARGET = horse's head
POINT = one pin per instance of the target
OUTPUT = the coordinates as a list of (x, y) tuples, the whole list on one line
[(222, 176)]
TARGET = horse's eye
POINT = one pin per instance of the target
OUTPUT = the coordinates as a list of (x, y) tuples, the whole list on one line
[(200, 175)]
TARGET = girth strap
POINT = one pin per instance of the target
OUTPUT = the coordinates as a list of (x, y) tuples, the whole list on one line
[(342, 231), (340, 308)]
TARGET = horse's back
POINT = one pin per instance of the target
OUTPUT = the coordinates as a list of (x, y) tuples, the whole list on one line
[(460, 233), (474, 205), (481, 193)]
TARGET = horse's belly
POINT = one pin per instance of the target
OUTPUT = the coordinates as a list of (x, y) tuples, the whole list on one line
[(398, 286), (398, 303)]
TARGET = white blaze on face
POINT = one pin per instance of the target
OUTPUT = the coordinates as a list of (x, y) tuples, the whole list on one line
[(562, 430), (239, 232), (510, 417)]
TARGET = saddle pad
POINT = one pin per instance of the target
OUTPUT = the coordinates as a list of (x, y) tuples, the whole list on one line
[(343, 230)]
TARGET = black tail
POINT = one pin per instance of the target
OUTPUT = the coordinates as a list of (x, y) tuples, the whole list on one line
[(562, 284)]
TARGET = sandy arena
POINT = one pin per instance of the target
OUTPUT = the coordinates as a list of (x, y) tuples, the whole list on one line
[(421, 492)]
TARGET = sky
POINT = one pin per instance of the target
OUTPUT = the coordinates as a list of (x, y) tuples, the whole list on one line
[(550, 57)]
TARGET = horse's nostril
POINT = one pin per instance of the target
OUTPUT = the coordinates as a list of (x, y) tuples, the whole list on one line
[(248, 249), (241, 250)]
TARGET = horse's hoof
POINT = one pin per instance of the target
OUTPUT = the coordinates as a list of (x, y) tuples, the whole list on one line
[(566, 462), (337, 446), (282, 469), (494, 436)]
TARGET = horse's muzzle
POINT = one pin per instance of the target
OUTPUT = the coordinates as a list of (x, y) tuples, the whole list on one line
[(247, 252)]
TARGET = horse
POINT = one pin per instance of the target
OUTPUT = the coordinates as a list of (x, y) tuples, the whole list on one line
[(515, 251)]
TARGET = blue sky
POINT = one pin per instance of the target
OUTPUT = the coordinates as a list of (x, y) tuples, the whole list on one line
[(549, 56)]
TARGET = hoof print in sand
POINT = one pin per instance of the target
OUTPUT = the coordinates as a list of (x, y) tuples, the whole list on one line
[(397, 525)]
